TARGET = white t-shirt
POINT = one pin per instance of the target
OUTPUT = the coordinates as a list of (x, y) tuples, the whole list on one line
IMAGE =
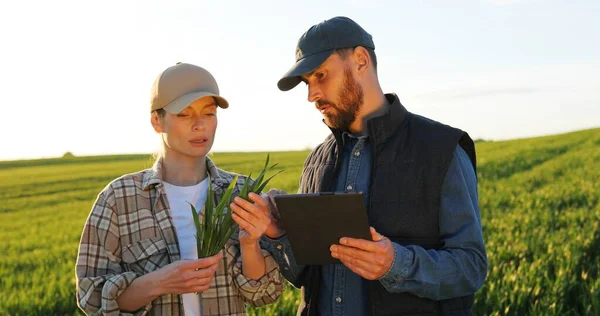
[(186, 230)]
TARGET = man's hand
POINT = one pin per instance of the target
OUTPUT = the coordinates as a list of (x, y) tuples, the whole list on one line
[(369, 259), (275, 230)]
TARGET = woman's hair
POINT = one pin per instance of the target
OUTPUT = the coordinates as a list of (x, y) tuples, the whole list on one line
[(159, 154), (161, 112)]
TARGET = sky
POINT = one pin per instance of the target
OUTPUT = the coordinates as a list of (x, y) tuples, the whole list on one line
[(76, 75)]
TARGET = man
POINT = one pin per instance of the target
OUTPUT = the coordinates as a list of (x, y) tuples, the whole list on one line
[(427, 255)]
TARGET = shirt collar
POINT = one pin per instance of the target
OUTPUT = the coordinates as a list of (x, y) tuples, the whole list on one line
[(384, 126), (154, 175)]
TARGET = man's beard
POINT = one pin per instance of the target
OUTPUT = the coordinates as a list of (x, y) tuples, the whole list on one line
[(351, 98)]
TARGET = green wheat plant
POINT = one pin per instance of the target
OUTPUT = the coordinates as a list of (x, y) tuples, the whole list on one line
[(218, 225)]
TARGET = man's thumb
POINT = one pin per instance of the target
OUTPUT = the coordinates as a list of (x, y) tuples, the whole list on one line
[(375, 235)]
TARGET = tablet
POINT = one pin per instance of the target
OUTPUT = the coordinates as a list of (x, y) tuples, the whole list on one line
[(315, 221)]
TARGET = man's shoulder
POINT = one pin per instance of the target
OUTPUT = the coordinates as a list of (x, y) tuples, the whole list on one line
[(323, 150), (431, 124), (441, 137)]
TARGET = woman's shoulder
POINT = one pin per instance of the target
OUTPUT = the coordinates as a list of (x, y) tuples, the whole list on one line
[(227, 177), (128, 185)]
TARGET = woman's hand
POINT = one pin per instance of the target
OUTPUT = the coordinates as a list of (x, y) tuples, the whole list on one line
[(179, 277), (253, 218), (187, 276)]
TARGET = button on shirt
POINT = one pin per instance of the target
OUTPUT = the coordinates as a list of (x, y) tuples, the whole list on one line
[(436, 275), (344, 292)]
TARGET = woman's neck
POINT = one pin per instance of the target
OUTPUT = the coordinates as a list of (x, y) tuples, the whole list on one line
[(183, 170)]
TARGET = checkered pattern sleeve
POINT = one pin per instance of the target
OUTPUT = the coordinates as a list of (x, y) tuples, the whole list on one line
[(99, 273), (263, 291)]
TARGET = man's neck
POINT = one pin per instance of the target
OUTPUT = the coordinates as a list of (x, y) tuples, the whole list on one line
[(374, 105), (183, 170)]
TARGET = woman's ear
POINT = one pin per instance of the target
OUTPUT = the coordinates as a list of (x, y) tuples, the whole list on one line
[(156, 122)]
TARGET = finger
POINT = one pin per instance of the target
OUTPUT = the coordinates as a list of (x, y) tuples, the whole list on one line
[(244, 224), (192, 276), (360, 271), (200, 288), (274, 192), (204, 262), (255, 230), (358, 254), (249, 207), (363, 244), (258, 219), (374, 264), (375, 235), (242, 213), (259, 200), (194, 283), (273, 210)]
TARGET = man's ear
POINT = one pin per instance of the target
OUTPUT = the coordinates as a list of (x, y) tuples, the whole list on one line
[(362, 59), (156, 122)]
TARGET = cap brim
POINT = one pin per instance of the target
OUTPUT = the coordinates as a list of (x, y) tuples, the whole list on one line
[(185, 100), (303, 66)]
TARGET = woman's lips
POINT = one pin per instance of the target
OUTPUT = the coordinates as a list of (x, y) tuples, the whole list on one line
[(198, 142)]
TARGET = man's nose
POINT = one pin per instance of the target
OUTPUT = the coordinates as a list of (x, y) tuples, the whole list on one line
[(314, 93)]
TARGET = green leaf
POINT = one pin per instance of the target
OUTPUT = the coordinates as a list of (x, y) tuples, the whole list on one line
[(264, 184), (226, 199), (244, 191), (208, 218), (258, 181), (218, 225), (197, 224)]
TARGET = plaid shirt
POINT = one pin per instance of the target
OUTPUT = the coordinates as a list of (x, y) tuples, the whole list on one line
[(130, 232)]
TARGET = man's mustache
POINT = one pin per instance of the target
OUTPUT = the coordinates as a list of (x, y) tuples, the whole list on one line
[(321, 103)]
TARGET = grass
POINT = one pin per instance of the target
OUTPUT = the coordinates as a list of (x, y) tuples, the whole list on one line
[(539, 200)]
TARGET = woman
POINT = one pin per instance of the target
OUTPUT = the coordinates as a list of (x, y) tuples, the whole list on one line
[(138, 249)]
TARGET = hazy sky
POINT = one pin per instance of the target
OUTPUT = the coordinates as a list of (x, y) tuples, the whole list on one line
[(76, 75)]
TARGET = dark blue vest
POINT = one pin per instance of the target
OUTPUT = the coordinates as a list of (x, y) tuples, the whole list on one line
[(411, 155)]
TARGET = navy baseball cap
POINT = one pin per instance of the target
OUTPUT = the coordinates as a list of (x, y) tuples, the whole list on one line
[(317, 44)]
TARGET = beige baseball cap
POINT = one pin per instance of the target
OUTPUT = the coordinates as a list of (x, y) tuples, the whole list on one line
[(180, 85)]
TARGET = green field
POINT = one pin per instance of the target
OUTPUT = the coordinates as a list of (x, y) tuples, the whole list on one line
[(539, 200)]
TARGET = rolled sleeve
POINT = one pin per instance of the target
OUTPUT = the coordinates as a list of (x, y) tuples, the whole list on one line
[(263, 291), (100, 278), (403, 258), (283, 255)]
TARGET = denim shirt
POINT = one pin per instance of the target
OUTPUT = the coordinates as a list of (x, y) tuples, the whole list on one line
[(434, 274), (342, 291)]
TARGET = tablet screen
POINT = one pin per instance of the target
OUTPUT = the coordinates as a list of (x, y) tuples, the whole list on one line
[(315, 221)]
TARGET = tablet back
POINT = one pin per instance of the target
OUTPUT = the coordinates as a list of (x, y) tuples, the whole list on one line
[(316, 221)]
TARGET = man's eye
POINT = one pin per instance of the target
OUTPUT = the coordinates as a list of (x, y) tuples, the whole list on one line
[(320, 75), (182, 115)]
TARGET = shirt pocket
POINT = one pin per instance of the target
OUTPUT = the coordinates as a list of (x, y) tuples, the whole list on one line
[(146, 255)]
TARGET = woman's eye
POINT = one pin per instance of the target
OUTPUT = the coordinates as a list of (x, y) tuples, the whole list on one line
[(182, 115)]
